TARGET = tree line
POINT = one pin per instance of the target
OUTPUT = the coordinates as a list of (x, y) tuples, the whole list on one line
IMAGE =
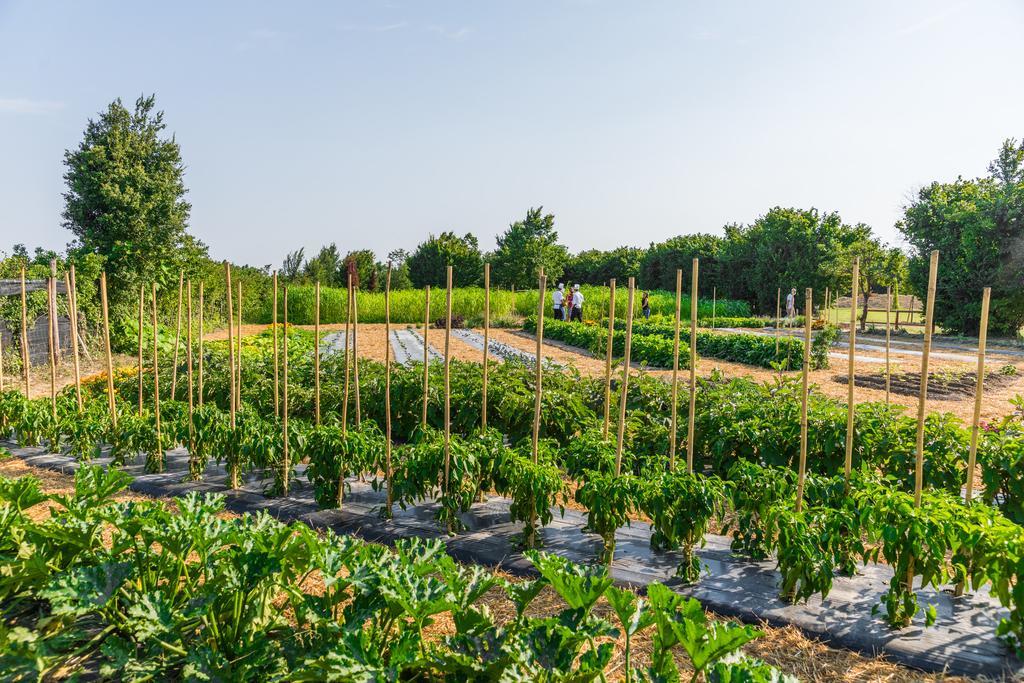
[(125, 205)]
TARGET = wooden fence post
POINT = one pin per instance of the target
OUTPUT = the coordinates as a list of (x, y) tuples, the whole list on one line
[(487, 341), (447, 381), (177, 337), (888, 374), (277, 359), (674, 431), (316, 354), (142, 300), (986, 295), (72, 287), (286, 462), (690, 429), (26, 360), (159, 455), (608, 357), (111, 404), (387, 393), (199, 386), (426, 354), (625, 377), (804, 386), (850, 405)]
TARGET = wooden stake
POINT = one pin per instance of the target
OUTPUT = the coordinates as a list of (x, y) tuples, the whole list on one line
[(355, 351), (387, 392), (233, 406), (52, 317), (778, 318), (986, 295), (316, 354), (625, 377), (674, 430), (608, 358), (25, 357), (804, 386), (348, 363), (156, 389), (539, 364), (188, 361), (111, 405), (238, 352), (825, 309), (286, 462), (714, 303), (1, 364), (933, 270), (850, 405), (142, 300), (277, 360), (888, 308), (690, 428), (177, 337), (426, 354), (199, 386), (487, 338), (72, 287), (54, 327), (447, 380)]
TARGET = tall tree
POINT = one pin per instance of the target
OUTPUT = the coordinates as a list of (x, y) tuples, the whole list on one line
[(658, 268), (880, 266), (596, 267), (292, 265), (366, 269), (427, 264), (978, 228), (125, 198), (327, 267), (527, 246)]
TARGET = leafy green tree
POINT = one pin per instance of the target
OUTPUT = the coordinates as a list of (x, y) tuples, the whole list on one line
[(366, 270), (427, 264), (326, 267), (658, 268), (399, 269), (125, 199), (597, 267), (978, 228), (291, 267), (526, 247), (880, 266)]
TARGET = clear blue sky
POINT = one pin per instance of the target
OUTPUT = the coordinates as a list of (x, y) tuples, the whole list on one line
[(372, 124)]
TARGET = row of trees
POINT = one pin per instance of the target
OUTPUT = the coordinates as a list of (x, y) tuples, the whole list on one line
[(125, 205)]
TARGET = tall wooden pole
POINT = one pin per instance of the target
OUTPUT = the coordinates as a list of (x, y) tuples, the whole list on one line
[(888, 308), (233, 406), (426, 354), (487, 343), (850, 405), (714, 305), (26, 361), (111, 405), (804, 387), (316, 354), (825, 305), (538, 363), (177, 336), (627, 352), (277, 360), (348, 362), (778, 318), (387, 392), (674, 429), (199, 385), (979, 389), (156, 388), (608, 358), (142, 323), (933, 270), (72, 287), (690, 428), (54, 328), (51, 319), (286, 462), (447, 379), (238, 352), (355, 350), (188, 362)]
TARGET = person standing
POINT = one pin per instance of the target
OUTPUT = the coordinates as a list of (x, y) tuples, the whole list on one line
[(645, 304), (557, 297), (791, 303), (577, 304)]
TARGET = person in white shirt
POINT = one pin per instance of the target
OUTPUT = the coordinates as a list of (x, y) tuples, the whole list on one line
[(557, 297), (577, 304), (791, 303)]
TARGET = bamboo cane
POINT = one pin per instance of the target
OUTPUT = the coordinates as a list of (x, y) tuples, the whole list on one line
[(691, 428), (111, 405), (714, 302), (72, 287), (487, 338), (199, 385), (804, 386), (286, 462), (156, 389), (355, 351), (625, 377), (1, 364), (177, 337), (986, 295), (608, 358), (188, 372), (316, 354), (387, 393), (142, 300), (778, 318), (238, 352), (52, 316), (25, 358), (888, 374), (348, 363), (539, 365), (447, 379), (850, 405), (233, 405), (277, 360), (426, 354), (674, 433), (825, 309), (54, 326), (933, 269)]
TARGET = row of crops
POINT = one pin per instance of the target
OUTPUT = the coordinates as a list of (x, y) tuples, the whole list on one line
[(746, 439), (140, 591)]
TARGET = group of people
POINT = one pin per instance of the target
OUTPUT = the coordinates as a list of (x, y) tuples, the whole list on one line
[(567, 306)]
